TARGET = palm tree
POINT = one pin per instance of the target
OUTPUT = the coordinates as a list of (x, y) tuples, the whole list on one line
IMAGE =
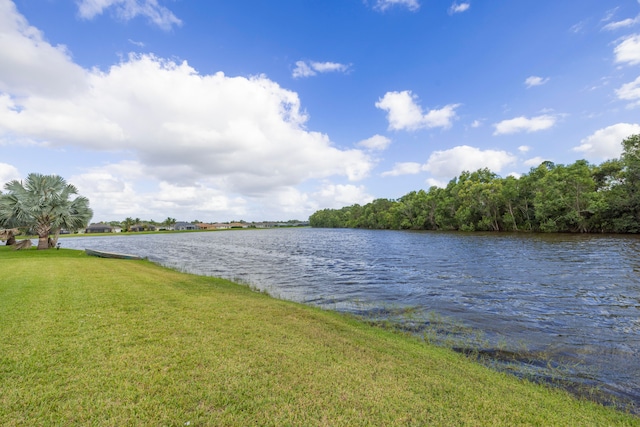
[(128, 222), (43, 203), (169, 221)]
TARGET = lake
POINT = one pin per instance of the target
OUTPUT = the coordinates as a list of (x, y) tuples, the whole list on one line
[(570, 303)]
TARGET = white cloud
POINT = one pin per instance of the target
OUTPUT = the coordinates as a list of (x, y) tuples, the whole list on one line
[(406, 168), (29, 63), (327, 67), (610, 14), (535, 81), (129, 9), (524, 148), (534, 161), (312, 68), (629, 22), (167, 112), (606, 143), (459, 7), (338, 195), (303, 70), (523, 124), (476, 124), (404, 114), (452, 162), (114, 195), (630, 92), (375, 143), (579, 27), (435, 183), (628, 50), (8, 173), (382, 5), (207, 132)]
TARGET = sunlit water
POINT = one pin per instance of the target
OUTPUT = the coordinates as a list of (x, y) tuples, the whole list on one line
[(575, 298)]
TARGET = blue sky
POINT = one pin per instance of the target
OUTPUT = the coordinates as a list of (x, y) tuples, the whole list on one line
[(255, 110)]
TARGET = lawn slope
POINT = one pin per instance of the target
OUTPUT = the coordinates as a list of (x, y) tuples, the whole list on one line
[(90, 341)]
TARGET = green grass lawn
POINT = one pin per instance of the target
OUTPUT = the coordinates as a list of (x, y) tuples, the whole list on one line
[(91, 341)]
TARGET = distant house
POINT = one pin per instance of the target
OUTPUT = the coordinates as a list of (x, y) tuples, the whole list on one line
[(213, 226), (219, 226), (99, 228), (205, 226), (239, 225), (142, 227), (180, 226)]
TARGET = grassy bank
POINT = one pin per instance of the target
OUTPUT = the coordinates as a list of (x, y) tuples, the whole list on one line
[(95, 341)]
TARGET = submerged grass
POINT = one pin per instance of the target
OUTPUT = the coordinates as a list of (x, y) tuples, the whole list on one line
[(90, 341), (498, 354)]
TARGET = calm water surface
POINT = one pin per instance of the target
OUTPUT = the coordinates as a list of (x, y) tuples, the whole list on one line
[(574, 298)]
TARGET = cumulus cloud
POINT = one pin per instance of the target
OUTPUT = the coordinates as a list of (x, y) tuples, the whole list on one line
[(459, 7), (312, 68), (535, 81), (405, 168), (431, 182), (375, 143), (403, 113), (630, 92), (524, 148), (339, 195), (8, 173), (534, 161), (30, 64), (524, 124), (606, 143), (130, 9), (450, 163), (114, 194), (476, 123), (628, 50), (237, 135), (382, 5)]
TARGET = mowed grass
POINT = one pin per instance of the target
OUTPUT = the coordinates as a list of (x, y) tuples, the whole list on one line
[(90, 341)]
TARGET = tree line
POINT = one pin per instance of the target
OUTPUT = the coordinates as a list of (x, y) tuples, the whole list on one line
[(579, 198)]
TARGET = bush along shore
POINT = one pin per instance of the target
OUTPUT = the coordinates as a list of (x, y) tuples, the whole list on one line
[(117, 342)]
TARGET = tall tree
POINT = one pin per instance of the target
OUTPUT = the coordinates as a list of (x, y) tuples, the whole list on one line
[(44, 204), (566, 198), (631, 181)]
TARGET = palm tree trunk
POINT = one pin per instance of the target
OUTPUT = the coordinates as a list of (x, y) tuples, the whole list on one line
[(43, 231), (43, 242)]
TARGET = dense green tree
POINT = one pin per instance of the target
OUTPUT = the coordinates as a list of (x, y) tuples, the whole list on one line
[(566, 198), (631, 184), (480, 201), (579, 197), (514, 205), (413, 211), (448, 205), (44, 204)]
